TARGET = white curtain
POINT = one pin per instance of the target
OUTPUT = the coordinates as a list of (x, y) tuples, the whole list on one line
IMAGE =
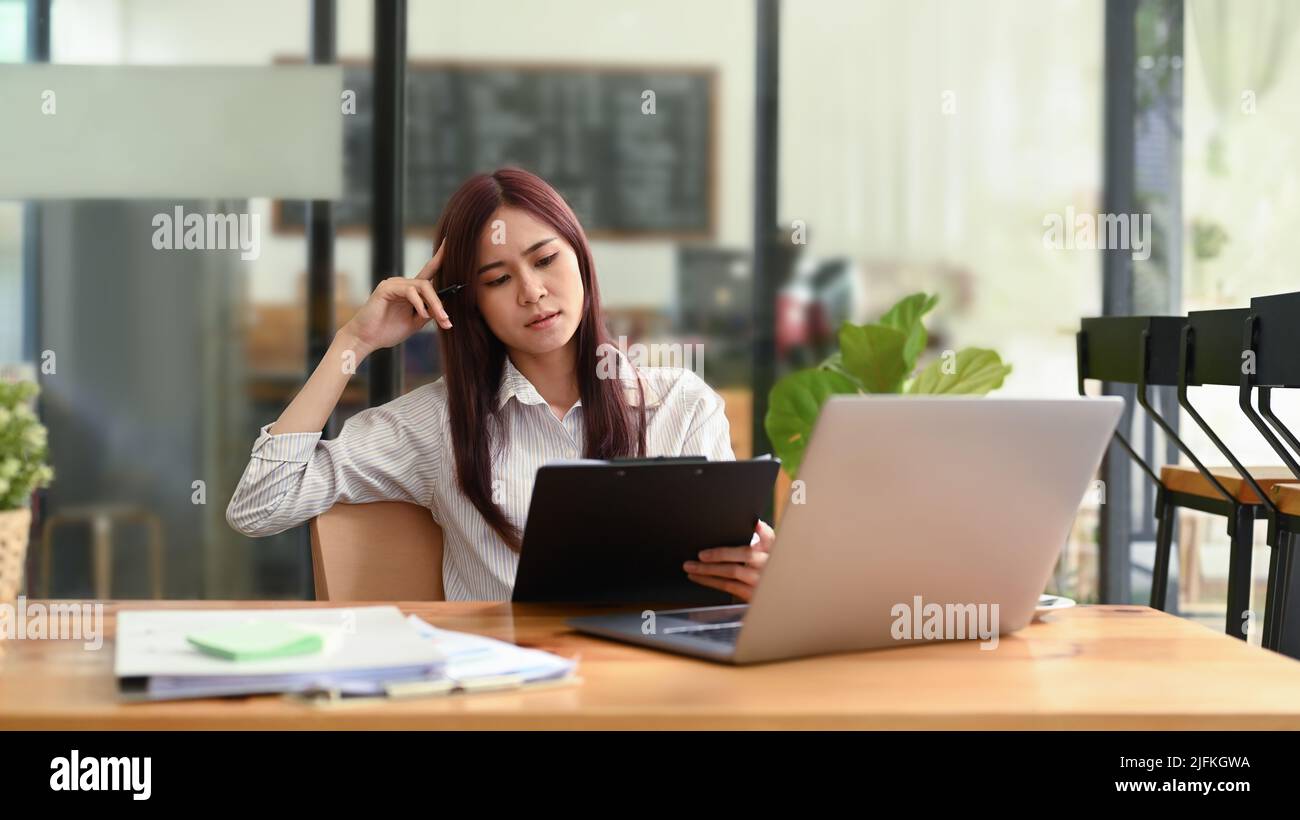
[(1243, 48)]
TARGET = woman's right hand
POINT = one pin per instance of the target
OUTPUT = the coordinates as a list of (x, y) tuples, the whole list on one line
[(398, 308)]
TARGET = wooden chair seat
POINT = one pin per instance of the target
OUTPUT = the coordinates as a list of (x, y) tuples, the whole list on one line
[(1286, 497), (1187, 479), (384, 551)]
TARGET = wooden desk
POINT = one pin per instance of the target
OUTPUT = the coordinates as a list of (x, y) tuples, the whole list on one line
[(1111, 667)]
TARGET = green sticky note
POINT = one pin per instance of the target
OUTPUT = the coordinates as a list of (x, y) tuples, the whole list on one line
[(256, 640)]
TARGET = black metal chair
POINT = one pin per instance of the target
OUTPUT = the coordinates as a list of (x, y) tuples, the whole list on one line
[(1271, 342), (1282, 610), (1212, 354), (1149, 350)]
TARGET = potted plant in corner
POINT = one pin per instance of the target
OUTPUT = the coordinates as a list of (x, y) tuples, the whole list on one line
[(23, 467), (877, 357)]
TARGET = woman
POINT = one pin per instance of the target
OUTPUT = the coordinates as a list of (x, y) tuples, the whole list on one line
[(523, 385)]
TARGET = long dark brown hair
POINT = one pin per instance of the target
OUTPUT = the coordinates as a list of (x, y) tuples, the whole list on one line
[(473, 357)]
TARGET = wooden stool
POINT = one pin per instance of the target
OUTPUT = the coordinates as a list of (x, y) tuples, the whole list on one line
[(102, 519)]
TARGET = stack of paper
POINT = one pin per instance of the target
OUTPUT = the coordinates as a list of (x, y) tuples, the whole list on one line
[(477, 662), (366, 650)]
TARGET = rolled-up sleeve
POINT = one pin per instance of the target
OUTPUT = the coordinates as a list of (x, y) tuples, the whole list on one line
[(387, 453)]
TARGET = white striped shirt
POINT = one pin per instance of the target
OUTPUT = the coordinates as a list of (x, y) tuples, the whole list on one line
[(402, 451)]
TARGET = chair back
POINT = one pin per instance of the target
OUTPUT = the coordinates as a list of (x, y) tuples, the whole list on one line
[(383, 551)]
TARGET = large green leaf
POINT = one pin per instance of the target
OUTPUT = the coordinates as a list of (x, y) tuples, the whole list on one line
[(792, 410), (873, 354), (906, 316), (976, 370), (835, 363)]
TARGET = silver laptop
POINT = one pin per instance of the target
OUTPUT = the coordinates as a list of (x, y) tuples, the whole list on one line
[(905, 504)]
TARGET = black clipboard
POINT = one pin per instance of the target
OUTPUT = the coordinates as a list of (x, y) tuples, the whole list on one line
[(618, 531)]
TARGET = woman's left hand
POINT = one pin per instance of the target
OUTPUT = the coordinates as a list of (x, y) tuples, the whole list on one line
[(734, 569)]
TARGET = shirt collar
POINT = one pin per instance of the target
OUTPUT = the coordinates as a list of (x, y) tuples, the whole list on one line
[(513, 383)]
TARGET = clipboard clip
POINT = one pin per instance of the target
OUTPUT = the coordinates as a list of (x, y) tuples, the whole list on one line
[(633, 460)]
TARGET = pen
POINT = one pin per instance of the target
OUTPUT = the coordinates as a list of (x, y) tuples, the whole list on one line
[(450, 289)]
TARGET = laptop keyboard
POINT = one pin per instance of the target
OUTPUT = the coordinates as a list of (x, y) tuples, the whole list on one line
[(726, 634), (718, 625), (719, 634)]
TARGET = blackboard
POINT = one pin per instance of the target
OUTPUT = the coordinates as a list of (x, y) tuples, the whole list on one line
[(581, 128)]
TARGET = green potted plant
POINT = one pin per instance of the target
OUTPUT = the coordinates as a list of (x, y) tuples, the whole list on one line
[(877, 357), (24, 455)]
